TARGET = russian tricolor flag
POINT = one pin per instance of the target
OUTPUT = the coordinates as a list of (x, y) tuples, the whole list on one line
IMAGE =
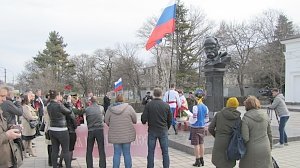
[(165, 25), (118, 85)]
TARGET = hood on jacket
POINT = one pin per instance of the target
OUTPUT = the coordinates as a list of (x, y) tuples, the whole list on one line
[(280, 96), (118, 108), (256, 115), (231, 113)]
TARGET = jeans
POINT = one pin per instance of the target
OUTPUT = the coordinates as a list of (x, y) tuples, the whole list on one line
[(118, 150), (60, 138), (98, 135), (282, 133), (164, 143), (173, 117)]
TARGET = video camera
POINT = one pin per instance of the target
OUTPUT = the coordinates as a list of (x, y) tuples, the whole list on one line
[(267, 92)]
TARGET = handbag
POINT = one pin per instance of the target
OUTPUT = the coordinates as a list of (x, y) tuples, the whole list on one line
[(275, 165), (33, 123)]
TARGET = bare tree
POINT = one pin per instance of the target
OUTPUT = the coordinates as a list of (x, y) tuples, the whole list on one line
[(86, 74), (35, 78), (269, 61), (129, 66), (241, 40), (105, 62)]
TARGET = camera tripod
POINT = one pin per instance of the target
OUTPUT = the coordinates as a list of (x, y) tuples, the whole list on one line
[(270, 114)]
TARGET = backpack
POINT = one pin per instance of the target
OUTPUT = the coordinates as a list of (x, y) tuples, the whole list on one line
[(236, 148)]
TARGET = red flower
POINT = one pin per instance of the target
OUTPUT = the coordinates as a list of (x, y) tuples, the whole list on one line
[(68, 87)]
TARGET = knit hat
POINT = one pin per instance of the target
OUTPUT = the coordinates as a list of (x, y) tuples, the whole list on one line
[(232, 102)]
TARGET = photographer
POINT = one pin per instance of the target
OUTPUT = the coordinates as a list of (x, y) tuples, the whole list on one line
[(71, 125), (11, 108), (147, 98), (8, 158), (281, 109)]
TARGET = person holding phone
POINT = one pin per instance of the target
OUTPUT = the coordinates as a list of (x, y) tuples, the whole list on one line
[(6, 137)]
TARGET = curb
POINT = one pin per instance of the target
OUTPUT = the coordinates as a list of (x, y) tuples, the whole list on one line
[(190, 150)]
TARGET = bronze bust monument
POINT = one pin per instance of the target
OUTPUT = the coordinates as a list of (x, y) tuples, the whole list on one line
[(215, 59)]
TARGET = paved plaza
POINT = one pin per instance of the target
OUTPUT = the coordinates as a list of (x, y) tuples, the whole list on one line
[(287, 157)]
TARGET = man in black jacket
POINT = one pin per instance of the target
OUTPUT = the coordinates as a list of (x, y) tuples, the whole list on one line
[(38, 105), (106, 101), (159, 117), (11, 108), (147, 98)]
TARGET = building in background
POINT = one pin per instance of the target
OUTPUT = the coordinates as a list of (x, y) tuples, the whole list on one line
[(292, 69)]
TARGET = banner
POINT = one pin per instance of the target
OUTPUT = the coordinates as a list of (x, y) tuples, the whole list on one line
[(139, 147)]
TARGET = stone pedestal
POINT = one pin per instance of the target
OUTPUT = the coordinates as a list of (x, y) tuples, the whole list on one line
[(214, 89)]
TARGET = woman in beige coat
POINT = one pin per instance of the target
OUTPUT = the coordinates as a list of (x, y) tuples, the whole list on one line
[(256, 132), (120, 118), (28, 133)]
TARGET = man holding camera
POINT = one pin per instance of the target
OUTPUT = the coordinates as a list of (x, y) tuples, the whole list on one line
[(7, 136), (11, 108), (147, 98), (281, 109)]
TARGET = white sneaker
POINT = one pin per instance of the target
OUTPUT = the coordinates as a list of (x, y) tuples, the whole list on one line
[(278, 145)]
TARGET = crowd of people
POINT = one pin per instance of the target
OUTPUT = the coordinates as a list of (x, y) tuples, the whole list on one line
[(58, 116)]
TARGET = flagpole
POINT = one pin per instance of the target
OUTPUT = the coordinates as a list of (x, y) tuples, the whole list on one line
[(172, 50), (171, 64)]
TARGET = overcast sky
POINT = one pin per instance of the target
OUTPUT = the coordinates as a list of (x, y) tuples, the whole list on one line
[(87, 25)]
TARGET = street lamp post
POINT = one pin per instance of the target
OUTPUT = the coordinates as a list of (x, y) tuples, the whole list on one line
[(4, 74)]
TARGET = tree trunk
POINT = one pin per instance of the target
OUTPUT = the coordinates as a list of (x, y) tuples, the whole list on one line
[(159, 71), (240, 79)]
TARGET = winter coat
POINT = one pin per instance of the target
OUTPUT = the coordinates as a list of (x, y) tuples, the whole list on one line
[(256, 132), (28, 114), (120, 118), (11, 110), (221, 128), (7, 146), (57, 113), (94, 117)]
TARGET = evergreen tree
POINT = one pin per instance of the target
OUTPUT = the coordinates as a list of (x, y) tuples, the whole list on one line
[(186, 48), (54, 57), (271, 57), (284, 28)]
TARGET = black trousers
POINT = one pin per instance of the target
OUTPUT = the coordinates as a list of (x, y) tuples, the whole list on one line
[(98, 135), (60, 138)]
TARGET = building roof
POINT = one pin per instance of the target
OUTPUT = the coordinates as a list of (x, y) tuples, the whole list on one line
[(292, 38)]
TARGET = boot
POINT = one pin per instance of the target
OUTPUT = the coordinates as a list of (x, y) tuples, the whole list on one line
[(197, 163), (71, 156), (60, 160), (202, 161), (174, 127), (49, 147)]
